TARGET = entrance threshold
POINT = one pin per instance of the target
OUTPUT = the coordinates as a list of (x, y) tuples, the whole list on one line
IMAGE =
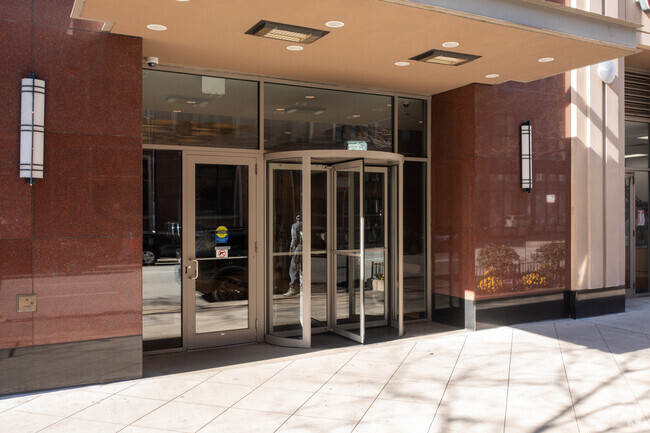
[(259, 353)]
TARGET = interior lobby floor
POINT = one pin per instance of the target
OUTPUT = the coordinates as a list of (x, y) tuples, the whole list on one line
[(588, 375)]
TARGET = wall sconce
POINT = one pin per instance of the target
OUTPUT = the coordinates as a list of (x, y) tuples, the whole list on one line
[(32, 128), (607, 72), (526, 156)]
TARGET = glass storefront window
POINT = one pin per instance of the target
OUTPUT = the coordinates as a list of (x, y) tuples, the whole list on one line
[(412, 127), (305, 118), (636, 144), (195, 110), (161, 249), (415, 243)]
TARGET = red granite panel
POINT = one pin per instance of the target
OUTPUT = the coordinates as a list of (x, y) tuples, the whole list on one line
[(92, 187), (453, 256), (452, 124), (453, 129), (502, 111), (15, 65), (505, 210), (86, 252), (532, 229), (88, 288), (15, 10), (454, 193), (56, 13), (15, 194), (90, 97), (15, 279)]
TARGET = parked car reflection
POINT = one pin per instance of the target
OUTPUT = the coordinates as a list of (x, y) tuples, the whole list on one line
[(220, 279), (161, 245)]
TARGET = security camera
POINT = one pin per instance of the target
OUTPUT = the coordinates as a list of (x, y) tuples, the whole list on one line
[(152, 61)]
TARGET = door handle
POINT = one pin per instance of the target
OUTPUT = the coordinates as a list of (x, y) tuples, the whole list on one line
[(196, 269)]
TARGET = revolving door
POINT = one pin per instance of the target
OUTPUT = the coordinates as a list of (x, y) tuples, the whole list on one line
[(333, 243)]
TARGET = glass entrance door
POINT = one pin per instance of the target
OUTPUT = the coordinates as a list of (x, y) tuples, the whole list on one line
[(637, 259), (348, 254), (219, 251), (629, 234)]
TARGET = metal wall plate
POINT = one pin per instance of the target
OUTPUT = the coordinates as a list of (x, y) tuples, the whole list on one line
[(26, 303)]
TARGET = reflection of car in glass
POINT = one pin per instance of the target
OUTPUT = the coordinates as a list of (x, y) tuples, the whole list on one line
[(157, 245), (225, 279)]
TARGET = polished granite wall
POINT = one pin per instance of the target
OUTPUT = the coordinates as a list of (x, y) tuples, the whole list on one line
[(73, 238), (492, 240)]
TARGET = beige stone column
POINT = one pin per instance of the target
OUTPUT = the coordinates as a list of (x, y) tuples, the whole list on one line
[(597, 173)]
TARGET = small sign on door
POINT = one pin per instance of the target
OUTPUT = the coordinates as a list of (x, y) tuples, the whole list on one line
[(640, 218), (222, 253)]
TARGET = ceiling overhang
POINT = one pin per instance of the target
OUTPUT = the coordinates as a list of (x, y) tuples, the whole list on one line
[(510, 36)]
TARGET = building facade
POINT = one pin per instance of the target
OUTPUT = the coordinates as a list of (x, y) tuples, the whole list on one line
[(214, 176)]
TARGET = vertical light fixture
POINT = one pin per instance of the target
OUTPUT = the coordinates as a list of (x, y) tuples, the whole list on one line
[(32, 128), (526, 156)]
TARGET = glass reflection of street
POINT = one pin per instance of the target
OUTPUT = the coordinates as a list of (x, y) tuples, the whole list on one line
[(161, 300)]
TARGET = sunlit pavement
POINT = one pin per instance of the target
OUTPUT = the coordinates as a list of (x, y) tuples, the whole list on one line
[(590, 375)]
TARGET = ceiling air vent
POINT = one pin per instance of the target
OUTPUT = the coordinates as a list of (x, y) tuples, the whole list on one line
[(286, 32), (447, 58)]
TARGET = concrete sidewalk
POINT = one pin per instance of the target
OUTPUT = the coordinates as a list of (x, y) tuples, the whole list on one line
[(590, 375)]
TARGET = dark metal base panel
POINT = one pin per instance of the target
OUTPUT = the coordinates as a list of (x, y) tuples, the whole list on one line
[(523, 309), (69, 364), (596, 302), (487, 313), (449, 310)]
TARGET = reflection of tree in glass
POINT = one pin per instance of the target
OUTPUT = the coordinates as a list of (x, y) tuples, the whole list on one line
[(500, 258), (499, 264), (549, 259), (381, 137)]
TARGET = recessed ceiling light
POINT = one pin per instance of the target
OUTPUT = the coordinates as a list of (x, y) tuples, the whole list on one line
[(334, 24), (546, 59), (157, 27), (389, 105), (420, 121), (286, 32), (356, 115), (288, 132), (190, 102), (309, 97), (176, 111), (447, 58), (279, 109), (402, 63), (295, 48), (450, 44), (492, 76)]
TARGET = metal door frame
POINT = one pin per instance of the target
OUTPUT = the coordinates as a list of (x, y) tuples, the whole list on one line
[(355, 166), (192, 340)]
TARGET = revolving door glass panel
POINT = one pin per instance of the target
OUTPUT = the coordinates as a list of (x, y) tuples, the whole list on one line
[(348, 254), (285, 294)]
